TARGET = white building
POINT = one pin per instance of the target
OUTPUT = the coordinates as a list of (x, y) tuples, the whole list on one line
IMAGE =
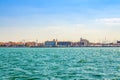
[(84, 42)]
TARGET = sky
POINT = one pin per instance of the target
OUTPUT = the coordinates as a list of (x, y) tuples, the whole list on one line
[(65, 20)]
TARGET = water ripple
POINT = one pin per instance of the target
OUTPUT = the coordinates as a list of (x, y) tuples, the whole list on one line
[(59, 64)]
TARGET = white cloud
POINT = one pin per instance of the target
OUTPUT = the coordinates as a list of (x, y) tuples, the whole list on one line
[(109, 21)]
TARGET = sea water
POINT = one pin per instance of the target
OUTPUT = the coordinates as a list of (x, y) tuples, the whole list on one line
[(60, 63)]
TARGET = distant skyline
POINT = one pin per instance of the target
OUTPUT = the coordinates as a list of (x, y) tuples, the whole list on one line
[(95, 20)]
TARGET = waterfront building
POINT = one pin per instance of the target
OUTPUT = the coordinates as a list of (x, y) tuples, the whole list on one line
[(118, 42), (84, 42), (75, 44), (10, 44), (19, 44), (51, 43), (30, 44), (2, 44), (40, 44), (64, 44)]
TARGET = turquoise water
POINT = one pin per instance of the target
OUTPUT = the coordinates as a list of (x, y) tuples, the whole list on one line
[(59, 63)]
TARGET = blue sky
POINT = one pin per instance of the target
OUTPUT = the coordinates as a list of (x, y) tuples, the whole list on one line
[(62, 19)]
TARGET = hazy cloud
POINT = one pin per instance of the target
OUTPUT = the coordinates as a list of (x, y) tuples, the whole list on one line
[(109, 21)]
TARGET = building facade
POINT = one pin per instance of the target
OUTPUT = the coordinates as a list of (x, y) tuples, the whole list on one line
[(84, 42), (51, 43), (64, 44), (118, 42)]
